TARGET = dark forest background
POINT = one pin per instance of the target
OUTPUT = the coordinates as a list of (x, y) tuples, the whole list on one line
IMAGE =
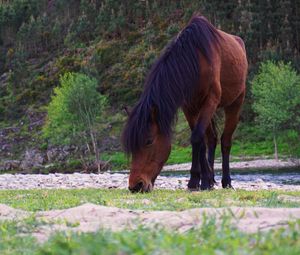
[(116, 41)]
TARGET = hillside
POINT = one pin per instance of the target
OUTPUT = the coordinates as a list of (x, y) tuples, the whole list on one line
[(115, 42)]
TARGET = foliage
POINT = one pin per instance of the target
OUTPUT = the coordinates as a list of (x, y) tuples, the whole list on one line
[(117, 41), (276, 93), (74, 111), (142, 28), (74, 108)]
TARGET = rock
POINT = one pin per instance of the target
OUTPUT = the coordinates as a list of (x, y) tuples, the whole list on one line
[(287, 198), (8, 165), (108, 180), (32, 159), (146, 201), (181, 200), (57, 154)]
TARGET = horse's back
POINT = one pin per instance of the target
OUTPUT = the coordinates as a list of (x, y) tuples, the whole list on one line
[(233, 68)]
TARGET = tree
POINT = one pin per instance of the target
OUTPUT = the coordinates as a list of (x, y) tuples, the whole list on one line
[(74, 111), (276, 92)]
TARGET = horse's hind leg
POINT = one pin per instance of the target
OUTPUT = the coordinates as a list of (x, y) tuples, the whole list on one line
[(232, 114), (212, 139)]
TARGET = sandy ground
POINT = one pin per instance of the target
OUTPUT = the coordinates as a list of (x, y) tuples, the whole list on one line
[(91, 217)]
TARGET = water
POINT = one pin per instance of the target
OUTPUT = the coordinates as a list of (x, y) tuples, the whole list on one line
[(286, 176)]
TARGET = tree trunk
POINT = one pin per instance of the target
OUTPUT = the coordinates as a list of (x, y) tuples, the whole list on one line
[(96, 151), (275, 148)]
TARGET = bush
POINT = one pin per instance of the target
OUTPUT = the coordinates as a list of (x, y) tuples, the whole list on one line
[(74, 111), (276, 92)]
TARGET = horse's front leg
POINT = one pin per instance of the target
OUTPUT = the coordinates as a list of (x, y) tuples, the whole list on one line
[(200, 167), (232, 114), (198, 139), (194, 182)]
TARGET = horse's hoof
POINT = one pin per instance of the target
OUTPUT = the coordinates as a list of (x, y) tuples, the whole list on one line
[(227, 186), (193, 189), (205, 186), (193, 185)]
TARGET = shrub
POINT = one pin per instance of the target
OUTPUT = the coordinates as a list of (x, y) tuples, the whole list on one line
[(276, 92), (74, 111)]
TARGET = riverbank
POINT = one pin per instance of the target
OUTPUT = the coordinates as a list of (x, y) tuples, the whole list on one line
[(257, 163), (120, 181)]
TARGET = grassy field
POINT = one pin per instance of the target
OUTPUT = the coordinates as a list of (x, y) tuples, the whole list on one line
[(180, 154), (37, 200), (249, 141), (209, 239)]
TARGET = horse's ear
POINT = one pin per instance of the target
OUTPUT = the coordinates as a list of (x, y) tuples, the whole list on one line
[(125, 108)]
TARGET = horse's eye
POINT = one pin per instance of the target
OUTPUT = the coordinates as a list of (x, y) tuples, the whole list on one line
[(149, 142)]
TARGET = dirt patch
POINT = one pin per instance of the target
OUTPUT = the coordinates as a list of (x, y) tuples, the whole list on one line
[(91, 217), (287, 198), (9, 213)]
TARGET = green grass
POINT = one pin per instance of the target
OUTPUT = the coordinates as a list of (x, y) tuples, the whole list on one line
[(210, 238), (37, 200), (117, 160), (179, 154), (249, 141)]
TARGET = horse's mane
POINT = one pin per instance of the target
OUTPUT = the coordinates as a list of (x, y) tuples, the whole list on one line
[(170, 82)]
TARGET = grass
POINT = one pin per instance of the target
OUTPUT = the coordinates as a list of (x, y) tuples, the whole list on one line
[(249, 141), (180, 154), (37, 200), (210, 238), (207, 240)]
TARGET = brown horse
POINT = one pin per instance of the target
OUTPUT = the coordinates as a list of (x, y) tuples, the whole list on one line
[(202, 69)]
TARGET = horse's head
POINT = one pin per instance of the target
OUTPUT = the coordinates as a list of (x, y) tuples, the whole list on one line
[(148, 161), (148, 157)]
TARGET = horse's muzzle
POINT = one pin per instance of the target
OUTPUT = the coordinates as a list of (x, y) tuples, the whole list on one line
[(141, 187)]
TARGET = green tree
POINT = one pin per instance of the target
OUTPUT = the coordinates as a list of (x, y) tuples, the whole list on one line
[(74, 111), (276, 92)]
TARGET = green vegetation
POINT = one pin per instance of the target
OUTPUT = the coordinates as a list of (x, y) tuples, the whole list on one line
[(74, 111), (276, 92), (37, 200), (287, 146), (115, 43), (209, 239)]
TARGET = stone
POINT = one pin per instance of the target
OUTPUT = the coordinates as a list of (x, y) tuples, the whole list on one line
[(8, 165), (32, 159)]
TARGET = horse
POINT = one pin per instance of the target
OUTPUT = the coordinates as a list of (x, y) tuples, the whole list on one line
[(201, 69)]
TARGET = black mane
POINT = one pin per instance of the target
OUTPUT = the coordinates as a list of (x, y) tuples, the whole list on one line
[(170, 82)]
